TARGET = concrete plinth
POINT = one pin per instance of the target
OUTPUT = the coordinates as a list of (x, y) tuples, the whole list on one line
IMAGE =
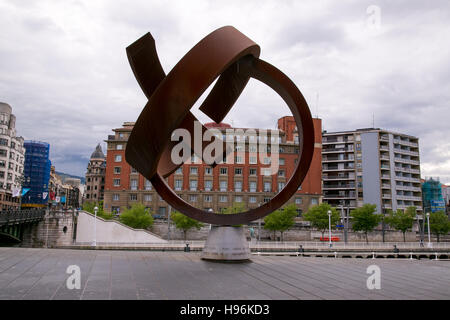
[(227, 244)]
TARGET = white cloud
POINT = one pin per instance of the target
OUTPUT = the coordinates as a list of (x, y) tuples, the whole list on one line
[(66, 75)]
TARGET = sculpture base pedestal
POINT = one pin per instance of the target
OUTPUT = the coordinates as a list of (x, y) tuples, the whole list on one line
[(226, 244)]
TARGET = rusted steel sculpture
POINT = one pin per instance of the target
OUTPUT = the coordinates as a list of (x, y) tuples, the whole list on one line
[(229, 55)]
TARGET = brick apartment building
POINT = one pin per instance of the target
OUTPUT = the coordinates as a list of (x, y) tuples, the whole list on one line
[(215, 188)]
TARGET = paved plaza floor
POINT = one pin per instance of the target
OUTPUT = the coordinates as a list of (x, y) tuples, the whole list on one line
[(27, 273)]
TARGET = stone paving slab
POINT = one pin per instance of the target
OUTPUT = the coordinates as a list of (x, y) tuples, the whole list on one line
[(30, 274)]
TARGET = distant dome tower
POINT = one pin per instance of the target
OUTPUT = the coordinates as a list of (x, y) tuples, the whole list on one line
[(95, 176), (12, 157)]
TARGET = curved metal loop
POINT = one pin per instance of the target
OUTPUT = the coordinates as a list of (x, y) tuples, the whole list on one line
[(168, 107)]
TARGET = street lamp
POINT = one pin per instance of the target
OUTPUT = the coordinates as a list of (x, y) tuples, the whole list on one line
[(210, 210), (95, 226), (429, 237), (420, 222), (259, 225), (168, 222), (329, 227)]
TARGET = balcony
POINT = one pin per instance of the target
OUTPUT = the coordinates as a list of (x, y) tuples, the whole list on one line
[(384, 148), (386, 196), (385, 186), (337, 187), (408, 152), (331, 150), (406, 143), (336, 159), (332, 177)]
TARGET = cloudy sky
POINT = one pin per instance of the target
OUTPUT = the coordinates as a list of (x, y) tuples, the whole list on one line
[(64, 71)]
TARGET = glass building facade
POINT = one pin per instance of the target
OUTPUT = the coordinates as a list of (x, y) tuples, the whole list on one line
[(36, 173)]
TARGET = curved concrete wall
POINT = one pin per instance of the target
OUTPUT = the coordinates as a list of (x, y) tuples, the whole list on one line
[(110, 231)]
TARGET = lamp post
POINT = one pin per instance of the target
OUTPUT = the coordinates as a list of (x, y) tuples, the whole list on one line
[(168, 222), (429, 237), (420, 222), (259, 226), (329, 228), (95, 226), (210, 210)]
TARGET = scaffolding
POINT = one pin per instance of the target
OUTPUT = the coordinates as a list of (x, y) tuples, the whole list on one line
[(432, 195), (37, 174)]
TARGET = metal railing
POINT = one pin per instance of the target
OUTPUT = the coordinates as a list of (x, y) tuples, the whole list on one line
[(12, 217)]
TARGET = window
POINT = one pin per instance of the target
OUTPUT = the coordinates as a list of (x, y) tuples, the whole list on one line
[(118, 158), (162, 211), (252, 186), (119, 146), (252, 160), (298, 200), (252, 148), (314, 201), (238, 186), (178, 184), (280, 186), (223, 198), (179, 170), (193, 170), (299, 188), (266, 171), (238, 159), (281, 173), (223, 185), (147, 185), (282, 163), (133, 170), (208, 170), (3, 153), (193, 198), (266, 160), (116, 182), (267, 187), (208, 185), (148, 198), (133, 184), (252, 171), (238, 171), (2, 163), (133, 197), (252, 199), (116, 197), (120, 135), (238, 199), (207, 198), (193, 185), (266, 199), (223, 170), (117, 170)]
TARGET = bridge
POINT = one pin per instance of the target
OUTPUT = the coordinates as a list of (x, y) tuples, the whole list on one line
[(13, 223)]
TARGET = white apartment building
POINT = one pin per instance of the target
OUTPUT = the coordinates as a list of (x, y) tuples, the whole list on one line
[(12, 157), (371, 166)]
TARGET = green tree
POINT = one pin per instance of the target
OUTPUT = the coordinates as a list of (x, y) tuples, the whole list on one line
[(318, 217), (365, 219), (439, 224), (281, 220), (402, 220), (184, 223), (137, 217), (89, 207), (237, 207)]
